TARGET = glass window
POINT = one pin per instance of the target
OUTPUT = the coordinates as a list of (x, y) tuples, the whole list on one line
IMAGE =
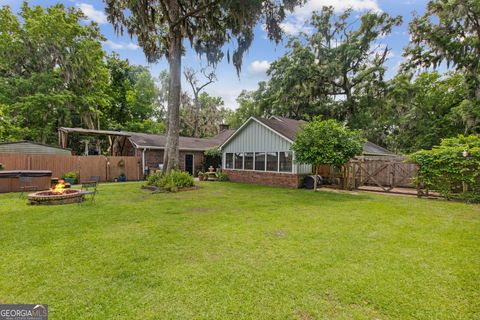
[(285, 161), (239, 160), (248, 162), (229, 161), (260, 161), (272, 161)]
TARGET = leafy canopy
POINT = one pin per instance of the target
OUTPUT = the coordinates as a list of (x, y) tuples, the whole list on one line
[(326, 142), (449, 32), (207, 24), (329, 71)]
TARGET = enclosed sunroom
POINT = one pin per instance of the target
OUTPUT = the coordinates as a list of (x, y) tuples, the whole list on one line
[(259, 152)]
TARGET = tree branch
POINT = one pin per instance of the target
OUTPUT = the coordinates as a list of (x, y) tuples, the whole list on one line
[(193, 12)]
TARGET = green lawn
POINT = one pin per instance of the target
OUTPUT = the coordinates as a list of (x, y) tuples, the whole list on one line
[(235, 251)]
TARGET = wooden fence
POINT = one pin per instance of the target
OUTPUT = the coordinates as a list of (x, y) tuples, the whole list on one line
[(384, 173), (107, 168)]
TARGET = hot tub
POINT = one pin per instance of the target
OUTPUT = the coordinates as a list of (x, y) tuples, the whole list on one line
[(10, 179)]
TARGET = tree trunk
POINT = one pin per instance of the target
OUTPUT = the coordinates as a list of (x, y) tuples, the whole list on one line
[(196, 120), (315, 178), (171, 155)]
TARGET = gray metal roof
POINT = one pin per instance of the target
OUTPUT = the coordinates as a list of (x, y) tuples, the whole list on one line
[(156, 141), (152, 141), (94, 132), (27, 147)]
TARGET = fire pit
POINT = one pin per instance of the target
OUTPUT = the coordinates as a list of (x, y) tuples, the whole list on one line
[(56, 195)]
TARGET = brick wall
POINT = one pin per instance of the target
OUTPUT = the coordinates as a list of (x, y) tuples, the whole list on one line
[(266, 178), (197, 160), (154, 157)]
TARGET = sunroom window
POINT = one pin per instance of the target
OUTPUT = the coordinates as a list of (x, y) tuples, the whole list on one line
[(272, 161), (239, 160), (229, 161), (285, 161), (248, 162), (260, 161)]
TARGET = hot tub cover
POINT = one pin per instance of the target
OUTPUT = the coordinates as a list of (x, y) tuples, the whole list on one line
[(25, 173)]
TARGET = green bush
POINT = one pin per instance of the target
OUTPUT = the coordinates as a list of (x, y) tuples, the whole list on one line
[(70, 175), (172, 182), (446, 170), (221, 176)]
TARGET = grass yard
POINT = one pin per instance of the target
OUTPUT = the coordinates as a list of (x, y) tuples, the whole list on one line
[(235, 251)]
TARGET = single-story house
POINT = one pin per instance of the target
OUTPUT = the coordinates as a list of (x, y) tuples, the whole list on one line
[(259, 152), (150, 147), (27, 147)]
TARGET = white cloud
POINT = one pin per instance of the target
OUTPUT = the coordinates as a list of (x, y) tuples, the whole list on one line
[(93, 14), (119, 46), (296, 22), (132, 46), (258, 67)]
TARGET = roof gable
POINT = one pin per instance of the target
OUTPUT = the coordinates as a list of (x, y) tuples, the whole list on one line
[(283, 127)]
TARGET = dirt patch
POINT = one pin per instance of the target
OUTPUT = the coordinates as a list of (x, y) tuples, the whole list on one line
[(304, 315), (279, 233), (200, 210), (158, 190)]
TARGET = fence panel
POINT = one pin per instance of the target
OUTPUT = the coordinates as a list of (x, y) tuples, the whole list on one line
[(86, 166), (385, 173), (13, 162), (129, 166), (92, 166), (55, 163)]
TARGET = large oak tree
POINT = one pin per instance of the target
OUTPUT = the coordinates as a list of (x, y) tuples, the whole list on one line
[(161, 26), (449, 32)]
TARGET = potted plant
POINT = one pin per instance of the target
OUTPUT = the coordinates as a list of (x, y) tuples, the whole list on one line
[(70, 177), (201, 176), (122, 177)]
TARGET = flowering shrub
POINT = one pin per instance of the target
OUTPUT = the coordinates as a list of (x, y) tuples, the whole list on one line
[(452, 168)]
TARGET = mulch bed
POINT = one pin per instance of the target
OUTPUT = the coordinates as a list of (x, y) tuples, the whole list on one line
[(158, 190)]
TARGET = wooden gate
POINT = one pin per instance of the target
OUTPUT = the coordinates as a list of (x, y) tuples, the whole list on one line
[(386, 174)]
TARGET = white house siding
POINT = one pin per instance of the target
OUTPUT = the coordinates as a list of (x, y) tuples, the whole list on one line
[(255, 137)]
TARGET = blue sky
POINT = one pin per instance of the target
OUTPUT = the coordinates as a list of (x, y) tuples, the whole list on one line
[(262, 51)]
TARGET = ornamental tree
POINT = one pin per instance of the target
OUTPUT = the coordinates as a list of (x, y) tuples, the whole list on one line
[(161, 26), (326, 142)]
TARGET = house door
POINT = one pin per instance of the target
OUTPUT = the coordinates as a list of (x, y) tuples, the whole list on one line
[(189, 163)]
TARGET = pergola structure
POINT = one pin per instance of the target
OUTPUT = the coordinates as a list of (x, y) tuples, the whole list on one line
[(116, 139)]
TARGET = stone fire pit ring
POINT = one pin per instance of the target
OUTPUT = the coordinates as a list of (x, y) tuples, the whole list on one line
[(55, 198)]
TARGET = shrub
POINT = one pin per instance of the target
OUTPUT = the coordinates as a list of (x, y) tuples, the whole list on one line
[(212, 157), (445, 168), (70, 175), (221, 176), (172, 181), (154, 178)]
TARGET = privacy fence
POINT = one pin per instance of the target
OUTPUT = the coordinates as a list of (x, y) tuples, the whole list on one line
[(106, 168)]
